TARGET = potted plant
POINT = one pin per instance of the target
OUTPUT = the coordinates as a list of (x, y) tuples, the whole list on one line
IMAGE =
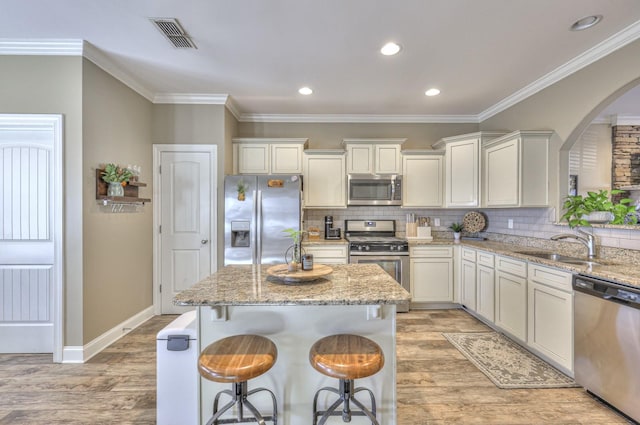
[(296, 248), (242, 189), (457, 228), (597, 207), (117, 177)]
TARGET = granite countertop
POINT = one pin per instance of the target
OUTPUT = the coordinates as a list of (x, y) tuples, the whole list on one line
[(607, 268), (349, 284), (323, 241), (613, 269)]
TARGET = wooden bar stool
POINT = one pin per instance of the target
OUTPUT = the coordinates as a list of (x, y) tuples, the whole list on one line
[(346, 357), (236, 359)]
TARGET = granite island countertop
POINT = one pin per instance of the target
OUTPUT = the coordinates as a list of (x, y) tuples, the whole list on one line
[(348, 284)]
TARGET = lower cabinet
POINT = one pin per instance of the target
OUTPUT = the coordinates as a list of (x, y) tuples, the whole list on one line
[(468, 284), (511, 301), (485, 292), (550, 314), (327, 253), (431, 274)]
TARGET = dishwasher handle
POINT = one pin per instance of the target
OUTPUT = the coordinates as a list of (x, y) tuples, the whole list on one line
[(607, 290)]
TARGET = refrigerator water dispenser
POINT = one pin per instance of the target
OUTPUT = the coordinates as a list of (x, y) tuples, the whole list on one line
[(240, 233)]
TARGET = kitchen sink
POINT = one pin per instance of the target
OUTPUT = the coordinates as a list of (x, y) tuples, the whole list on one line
[(564, 258)]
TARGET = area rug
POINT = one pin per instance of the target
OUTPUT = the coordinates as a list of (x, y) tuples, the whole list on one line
[(505, 363)]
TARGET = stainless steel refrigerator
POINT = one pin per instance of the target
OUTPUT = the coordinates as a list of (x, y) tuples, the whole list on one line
[(257, 209)]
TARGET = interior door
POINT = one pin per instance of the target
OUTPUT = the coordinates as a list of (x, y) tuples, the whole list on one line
[(186, 223), (27, 237)]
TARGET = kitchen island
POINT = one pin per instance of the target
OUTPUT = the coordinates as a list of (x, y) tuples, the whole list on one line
[(355, 298)]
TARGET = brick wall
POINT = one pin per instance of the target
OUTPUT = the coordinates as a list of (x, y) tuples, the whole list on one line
[(625, 157)]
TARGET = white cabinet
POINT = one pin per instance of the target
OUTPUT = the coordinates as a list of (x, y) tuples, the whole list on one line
[(462, 168), (485, 285), (324, 179), (431, 274), (515, 170), (327, 253), (422, 180), (511, 296), (550, 315), (468, 278), (373, 156), (268, 155)]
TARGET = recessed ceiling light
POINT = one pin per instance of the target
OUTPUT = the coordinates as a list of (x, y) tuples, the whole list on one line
[(390, 49), (586, 22), (305, 91), (432, 92)]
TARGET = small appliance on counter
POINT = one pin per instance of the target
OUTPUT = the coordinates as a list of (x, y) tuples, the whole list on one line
[(329, 231)]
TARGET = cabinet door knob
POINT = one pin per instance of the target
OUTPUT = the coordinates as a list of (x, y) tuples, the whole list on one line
[(204, 241)]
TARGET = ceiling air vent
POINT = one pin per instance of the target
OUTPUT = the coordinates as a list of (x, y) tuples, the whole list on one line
[(174, 33)]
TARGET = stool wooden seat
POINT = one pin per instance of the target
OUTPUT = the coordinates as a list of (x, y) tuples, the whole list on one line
[(346, 357), (236, 359)]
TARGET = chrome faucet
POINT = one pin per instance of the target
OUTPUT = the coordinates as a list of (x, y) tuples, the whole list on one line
[(587, 239)]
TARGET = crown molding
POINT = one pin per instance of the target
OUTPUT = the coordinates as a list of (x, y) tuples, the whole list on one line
[(602, 120), (625, 120), (54, 47), (191, 98), (358, 118), (600, 50), (233, 108), (101, 60)]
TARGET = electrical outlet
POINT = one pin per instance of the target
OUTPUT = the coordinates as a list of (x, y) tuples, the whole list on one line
[(510, 223), (436, 222)]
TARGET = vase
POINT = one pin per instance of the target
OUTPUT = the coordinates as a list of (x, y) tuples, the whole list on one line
[(115, 189), (599, 217), (293, 254), (456, 236)]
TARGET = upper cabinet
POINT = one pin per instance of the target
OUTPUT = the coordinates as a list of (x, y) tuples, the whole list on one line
[(325, 182), (422, 180), (373, 156), (515, 170), (268, 155), (462, 167)]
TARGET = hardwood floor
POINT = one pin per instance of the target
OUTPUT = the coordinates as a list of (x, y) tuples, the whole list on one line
[(436, 384)]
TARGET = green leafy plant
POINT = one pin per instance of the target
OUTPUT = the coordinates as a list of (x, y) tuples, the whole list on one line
[(457, 227), (242, 187), (296, 235), (115, 174), (577, 207)]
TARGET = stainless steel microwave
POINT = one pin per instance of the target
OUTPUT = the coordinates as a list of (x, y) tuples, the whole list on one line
[(365, 189)]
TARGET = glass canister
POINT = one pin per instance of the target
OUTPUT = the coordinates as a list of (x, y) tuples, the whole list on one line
[(307, 262)]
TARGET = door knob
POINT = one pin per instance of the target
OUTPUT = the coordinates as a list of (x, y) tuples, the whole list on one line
[(204, 241)]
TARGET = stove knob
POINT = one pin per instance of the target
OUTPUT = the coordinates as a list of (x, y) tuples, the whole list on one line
[(359, 247), (392, 247), (367, 248)]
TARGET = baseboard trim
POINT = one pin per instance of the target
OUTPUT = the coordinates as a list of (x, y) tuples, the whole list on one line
[(80, 354)]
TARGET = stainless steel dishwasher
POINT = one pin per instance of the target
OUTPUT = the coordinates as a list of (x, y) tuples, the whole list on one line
[(607, 341)]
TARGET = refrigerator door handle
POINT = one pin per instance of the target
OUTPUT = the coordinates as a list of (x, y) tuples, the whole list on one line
[(259, 229), (254, 238)]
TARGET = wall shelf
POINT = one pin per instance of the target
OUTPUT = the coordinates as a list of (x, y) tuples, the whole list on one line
[(130, 193)]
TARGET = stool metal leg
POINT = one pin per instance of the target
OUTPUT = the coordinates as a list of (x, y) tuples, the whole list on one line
[(239, 397), (346, 394)]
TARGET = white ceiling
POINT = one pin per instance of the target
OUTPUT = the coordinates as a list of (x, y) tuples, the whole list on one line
[(480, 53)]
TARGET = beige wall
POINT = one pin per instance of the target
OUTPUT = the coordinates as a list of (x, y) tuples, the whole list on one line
[(570, 105), (52, 85), (330, 135), (198, 124), (118, 247)]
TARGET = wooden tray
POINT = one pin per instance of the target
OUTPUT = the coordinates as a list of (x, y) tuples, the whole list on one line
[(282, 273)]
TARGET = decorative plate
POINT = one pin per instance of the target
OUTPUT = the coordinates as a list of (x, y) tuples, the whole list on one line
[(474, 222), (281, 272)]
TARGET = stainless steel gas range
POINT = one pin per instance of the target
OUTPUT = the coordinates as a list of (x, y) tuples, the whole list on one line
[(374, 241)]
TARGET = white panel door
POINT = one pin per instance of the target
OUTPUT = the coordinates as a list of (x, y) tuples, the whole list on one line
[(186, 220), (27, 233)]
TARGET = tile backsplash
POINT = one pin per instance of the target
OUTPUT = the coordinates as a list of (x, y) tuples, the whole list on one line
[(527, 222)]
